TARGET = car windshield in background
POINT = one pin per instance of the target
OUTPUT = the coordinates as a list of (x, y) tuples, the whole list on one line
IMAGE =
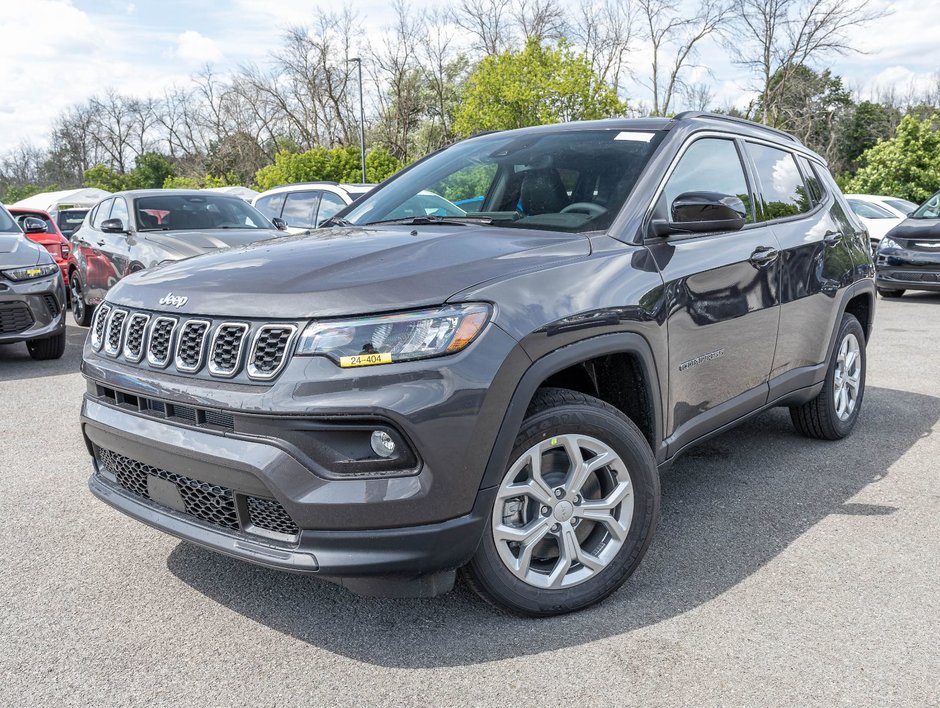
[(562, 181), (902, 205), (184, 212), (70, 219), (929, 209), (7, 223)]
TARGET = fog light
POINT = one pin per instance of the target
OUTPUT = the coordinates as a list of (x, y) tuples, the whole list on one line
[(382, 444)]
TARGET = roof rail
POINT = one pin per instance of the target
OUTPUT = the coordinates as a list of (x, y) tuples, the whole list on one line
[(687, 115), (299, 184)]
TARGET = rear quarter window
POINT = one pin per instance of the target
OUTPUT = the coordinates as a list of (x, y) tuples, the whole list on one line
[(783, 191)]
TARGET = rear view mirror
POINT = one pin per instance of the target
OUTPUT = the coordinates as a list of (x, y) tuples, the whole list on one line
[(703, 212), (113, 226), (32, 225)]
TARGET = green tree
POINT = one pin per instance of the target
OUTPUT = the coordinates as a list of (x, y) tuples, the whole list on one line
[(907, 165), (204, 182), (341, 164), (866, 124), (151, 170), (103, 177), (534, 86)]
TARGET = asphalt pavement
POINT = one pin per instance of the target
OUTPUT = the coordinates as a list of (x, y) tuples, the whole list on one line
[(784, 572)]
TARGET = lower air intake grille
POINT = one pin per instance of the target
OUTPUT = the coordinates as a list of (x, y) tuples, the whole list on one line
[(51, 303), (14, 318), (211, 503)]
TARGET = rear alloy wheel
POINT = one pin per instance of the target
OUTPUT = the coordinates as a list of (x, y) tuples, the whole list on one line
[(81, 310), (890, 293), (574, 512)]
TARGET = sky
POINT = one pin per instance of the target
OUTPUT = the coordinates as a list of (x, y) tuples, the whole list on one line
[(55, 53)]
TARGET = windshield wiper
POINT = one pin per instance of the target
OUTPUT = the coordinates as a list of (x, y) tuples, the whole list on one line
[(435, 220), (335, 221)]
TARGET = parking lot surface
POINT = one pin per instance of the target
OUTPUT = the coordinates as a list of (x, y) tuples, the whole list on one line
[(784, 571)]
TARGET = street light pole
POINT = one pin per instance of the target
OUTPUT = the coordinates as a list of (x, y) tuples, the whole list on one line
[(362, 121)]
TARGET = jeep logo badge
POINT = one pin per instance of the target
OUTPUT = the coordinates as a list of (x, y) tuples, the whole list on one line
[(172, 300)]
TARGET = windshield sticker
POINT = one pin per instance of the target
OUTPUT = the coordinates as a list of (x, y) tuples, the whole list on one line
[(634, 136)]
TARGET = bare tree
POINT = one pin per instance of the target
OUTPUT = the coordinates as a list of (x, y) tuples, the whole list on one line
[(774, 37), (605, 32), (488, 21), (674, 36), (540, 19)]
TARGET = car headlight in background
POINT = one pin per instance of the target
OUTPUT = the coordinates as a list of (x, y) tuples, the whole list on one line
[(385, 339), (31, 272), (888, 243)]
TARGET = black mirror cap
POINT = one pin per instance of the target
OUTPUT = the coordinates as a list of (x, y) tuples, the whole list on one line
[(279, 223), (703, 212), (113, 226), (32, 225)]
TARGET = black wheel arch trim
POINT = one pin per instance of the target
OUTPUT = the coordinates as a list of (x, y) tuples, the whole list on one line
[(860, 287), (558, 360)]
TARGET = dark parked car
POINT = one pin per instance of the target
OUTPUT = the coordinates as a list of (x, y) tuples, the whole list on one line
[(390, 400), (138, 229), (32, 296), (908, 257)]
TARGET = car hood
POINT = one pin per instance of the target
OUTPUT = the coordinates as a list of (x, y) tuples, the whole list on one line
[(185, 244), (17, 251), (917, 229), (346, 271)]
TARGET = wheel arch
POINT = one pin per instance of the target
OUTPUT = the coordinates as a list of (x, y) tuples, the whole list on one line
[(589, 366)]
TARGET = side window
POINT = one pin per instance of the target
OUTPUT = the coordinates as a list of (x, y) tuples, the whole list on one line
[(784, 193), (709, 165), (869, 211), (119, 211), (271, 205), (330, 204), (815, 187), (102, 212), (299, 209)]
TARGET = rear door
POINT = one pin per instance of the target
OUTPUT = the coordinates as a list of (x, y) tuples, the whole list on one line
[(721, 299)]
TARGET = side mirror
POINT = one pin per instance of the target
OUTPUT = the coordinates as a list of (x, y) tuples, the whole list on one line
[(703, 212), (32, 225), (113, 226), (279, 223)]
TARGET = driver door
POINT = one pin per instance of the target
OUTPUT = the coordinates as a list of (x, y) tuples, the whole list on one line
[(721, 299)]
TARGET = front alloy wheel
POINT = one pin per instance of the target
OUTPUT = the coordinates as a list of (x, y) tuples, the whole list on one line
[(574, 512)]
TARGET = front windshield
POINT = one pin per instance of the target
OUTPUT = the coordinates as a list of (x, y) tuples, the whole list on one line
[(568, 180), (6, 221), (929, 209), (191, 212)]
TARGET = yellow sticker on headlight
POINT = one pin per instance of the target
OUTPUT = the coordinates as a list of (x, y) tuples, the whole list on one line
[(33, 272), (365, 360)]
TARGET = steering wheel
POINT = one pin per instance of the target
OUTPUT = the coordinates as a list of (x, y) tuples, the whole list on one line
[(589, 208)]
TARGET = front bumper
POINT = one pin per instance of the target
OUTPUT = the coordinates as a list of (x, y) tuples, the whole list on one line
[(33, 309)]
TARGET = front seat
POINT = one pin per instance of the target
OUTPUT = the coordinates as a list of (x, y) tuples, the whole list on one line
[(542, 192)]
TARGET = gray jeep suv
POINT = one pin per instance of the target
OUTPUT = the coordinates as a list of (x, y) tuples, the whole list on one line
[(390, 400)]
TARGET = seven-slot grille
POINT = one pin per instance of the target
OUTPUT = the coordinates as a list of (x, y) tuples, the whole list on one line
[(190, 345), (212, 503), (14, 318)]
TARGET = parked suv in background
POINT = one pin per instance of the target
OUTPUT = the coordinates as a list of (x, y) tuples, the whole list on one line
[(307, 205), (32, 296), (138, 229), (394, 399)]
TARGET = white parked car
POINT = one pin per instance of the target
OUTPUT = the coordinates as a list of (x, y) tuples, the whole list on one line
[(307, 205), (879, 213)]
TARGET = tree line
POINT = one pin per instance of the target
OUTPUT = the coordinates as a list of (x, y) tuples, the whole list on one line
[(434, 76)]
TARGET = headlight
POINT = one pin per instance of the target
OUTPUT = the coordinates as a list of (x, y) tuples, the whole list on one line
[(38, 271), (888, 243), (385, 339)]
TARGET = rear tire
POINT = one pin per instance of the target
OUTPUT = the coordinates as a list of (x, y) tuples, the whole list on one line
[(833, 413), (582, 530), (49, 348), (890, 293), (81, 310)]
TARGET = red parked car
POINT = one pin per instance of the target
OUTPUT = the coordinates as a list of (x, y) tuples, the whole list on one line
[(49, 237)]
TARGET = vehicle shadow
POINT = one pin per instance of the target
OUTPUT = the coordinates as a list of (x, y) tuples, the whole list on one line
[(16, 363), (729, 507)]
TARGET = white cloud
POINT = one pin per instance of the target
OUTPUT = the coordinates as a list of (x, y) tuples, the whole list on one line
[(194, 47)]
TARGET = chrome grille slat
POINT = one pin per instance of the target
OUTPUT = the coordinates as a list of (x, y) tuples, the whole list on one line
[(226, 348), (160, 342), (191, 345), (269, 350), (135, 337), (114, 332), (97, 326)]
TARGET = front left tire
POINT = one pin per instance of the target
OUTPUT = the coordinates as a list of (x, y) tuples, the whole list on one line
[(81, 311), (575, 510), (49, 348)]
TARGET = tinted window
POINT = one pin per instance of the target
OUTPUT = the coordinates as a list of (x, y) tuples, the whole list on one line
[(119, 211), (784, 193), (330, 204), (870, 211), (812, 181), (6, 223), (101, 213), (709, 165), (299, 209), (70, 219), (929, 209), (190, 212), (271, 205)]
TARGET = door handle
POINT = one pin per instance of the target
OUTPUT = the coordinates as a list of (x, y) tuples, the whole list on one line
[(832, 237), (763, 255), (101, 242)]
